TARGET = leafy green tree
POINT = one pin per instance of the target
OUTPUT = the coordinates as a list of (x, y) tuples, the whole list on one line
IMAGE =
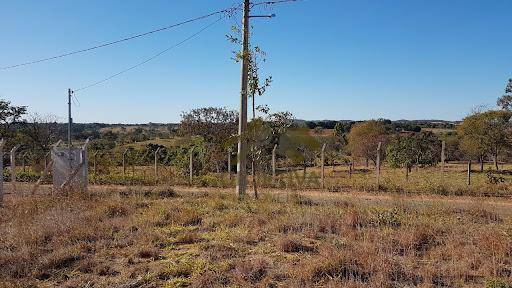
[(342, 128), (407, 150), (505, 102), (402, 151), (216, 126), (364, 137), (299, 147), (485, 133), (10, 116)]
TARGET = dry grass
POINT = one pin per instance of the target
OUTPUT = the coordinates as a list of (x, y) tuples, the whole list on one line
[(159, 238)]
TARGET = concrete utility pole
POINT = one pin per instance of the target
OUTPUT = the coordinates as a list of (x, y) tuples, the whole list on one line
[(241, 165), (70, 120)]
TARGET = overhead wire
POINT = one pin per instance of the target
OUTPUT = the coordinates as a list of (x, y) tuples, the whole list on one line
[(224, 11), (150, 58)]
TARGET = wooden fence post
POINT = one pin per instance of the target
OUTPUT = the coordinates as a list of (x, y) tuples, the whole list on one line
[(191, 165), (378, 164), (156, 164), (229, 163), (23, 155), (13, 166), (274, 164), (124, 162), (46, 159), (443, 159), (1, 171), (322, 158), (94, 165), (468, 181)]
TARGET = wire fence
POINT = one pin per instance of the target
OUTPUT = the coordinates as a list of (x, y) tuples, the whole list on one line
[(165, 167)]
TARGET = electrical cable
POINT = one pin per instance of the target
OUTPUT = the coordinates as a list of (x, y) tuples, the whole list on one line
[(224, 11), (150, 58)]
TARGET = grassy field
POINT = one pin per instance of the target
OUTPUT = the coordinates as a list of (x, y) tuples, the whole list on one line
[(159, 237), (423, 180)]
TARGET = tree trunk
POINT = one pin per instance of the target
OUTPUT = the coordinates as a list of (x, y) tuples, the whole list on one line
[(481, 159), (407, 168), (367, 162), (495, 158)]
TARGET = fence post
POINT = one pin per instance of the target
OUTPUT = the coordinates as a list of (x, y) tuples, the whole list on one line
[(13, 166), (469, 173), (124, 162), (322, 158), (94, 165), (229, 163), (443, 159), (378, 164), (1, 171), (156, 164), (23, 160), (46, 159), (191, 165), (274, 164)]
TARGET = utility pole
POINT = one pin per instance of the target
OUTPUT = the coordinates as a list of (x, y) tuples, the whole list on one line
[(70, 120), (241, 165)]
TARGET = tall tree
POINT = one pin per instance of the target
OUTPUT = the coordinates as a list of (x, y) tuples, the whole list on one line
[(9, 117), (505, 101), (216, 126), (486, 133), (364, 138)]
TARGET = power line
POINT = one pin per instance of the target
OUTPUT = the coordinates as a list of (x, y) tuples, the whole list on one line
[(150, 58), (224, 11), (273, 2)]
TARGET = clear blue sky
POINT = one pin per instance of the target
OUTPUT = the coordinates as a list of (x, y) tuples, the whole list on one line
[(330, 59)]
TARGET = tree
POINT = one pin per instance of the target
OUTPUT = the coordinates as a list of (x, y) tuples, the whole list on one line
[(485, 133), (407, 150), (342, 128), (364, 137), (9, 117), (38, 134), (402, 151), (256, 87), (505, 101), (300, 147), (216, 126)]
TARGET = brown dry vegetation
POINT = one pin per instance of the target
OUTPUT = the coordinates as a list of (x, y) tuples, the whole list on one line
[(146, 237)]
